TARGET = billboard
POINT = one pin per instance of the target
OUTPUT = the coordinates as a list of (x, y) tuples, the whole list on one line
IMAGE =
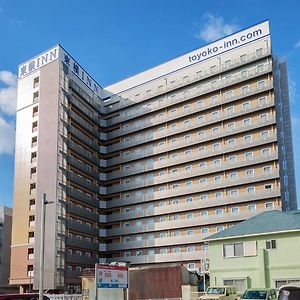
[(111, 276)]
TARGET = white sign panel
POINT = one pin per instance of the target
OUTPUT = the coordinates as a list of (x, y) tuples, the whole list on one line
[(108, 276)]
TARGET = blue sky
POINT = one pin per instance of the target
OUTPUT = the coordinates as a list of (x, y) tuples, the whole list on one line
[(116, 39)]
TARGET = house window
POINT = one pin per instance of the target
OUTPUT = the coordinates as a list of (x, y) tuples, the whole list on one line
[(251, 207), (235, 209), (233, 250), (190, 249), (190, 232), (271, 244)]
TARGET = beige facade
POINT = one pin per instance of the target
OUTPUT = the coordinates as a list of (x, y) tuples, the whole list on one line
[(145, 169)]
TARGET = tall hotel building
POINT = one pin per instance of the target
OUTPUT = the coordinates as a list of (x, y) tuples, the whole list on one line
[(144, 169)]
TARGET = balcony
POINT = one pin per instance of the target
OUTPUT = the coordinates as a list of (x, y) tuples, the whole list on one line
[(197, 171), (81, 136), (82, 227), (82, 151), (80, 259), (183, 223), (82, 181), (161, 258), (205, 74), (81, 243), (195, 204), (82, 167), (83, 197), (82, 212), (83, 123)]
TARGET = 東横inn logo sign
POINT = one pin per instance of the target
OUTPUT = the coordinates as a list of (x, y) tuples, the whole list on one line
[(58, 53)]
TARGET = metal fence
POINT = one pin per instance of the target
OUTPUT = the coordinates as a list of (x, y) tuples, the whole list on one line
[(64, 296)]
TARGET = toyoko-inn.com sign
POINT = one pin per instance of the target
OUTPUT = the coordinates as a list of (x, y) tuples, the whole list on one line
[(109, 276)]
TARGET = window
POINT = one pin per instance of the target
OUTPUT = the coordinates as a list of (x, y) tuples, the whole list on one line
[(188, 168), (200, 103), (219, 228), (231, 126), (126, 224), (250, 189), (251, 207), (163, 250), (232, 158), (259, 52), (269, 205), (203, 197), (262, 101), (243, 58), (201, 134), (200, 119), (215, 114), (175, 217), (187, 122), (264, 134), (162, 173), (174, 126), (249, 155), (214, 99), (188, 152), (127, 239), (175, 186), (173, 112), (160, 129), (228, 94), (202, 149), (204, 230), (233, 250), (268, 187), (191, 266), (186, 108), (175, 201), (174, 155), (217, 162), (190, 232), (176, 233), (204, 213), (235, 209), (189, 184), (233, 175), (218, 195), (189, 199), (249, 173), (263, 117), (219, 211), (267, 170), (203, 181), (246, 105), (163, 234), (190, 249), (247, 122), (187, 137), (227, 63), (174, 171), (127, 254), (216, 130), (174, 141), (245, 89), (138, 223), (265, 152), (138, 253), (230, 110), (218, 179), (248, 138), (261, 84), (232, 142), (271, 244), (216, 146), (244, 73), (189, 215), (176, 250)]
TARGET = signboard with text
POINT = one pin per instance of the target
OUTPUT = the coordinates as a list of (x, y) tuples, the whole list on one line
[(111, 276)]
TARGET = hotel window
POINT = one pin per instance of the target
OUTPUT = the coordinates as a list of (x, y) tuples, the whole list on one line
[(151, 252), (247, 122), (232, 158), (268, 187), (269, 205), (163, 234), (162, 173), (204, 213), (162, 100), (186, 108), (262, 101), (127, 224), (203, 181), (218, 179), (126, 181), (204, 230), (187, 137), (150, 236), (214, 99), (203, 197), (261, 84), (174, 155), (126, 167), (264, 134), (248, 138), (216, 146), (250, 189), (176, 233), (189, 199), (219, 228), (160, 129), (200, 103), (176, 217), (174, 141), (263, 117), (267, 170), (215, 114), (231, 126), (259, 52), (216, 130), (249, 173), (228, 79), (163, 219), (228, 94), (217, 162), (265, 152), (188, 152), (243, 58), (160, 115), (233, 193), (218, 195), (227, 63), (219, 211), (233, 250), (176, 250), (200, 119), (213, 84), (127, 195), (235, 209), (162, 203), (127, 239), (213, 69), (174, 171), (245, 89), (190, 249), (244, 73), (246, 105), (230, 110), (198, 74), (185, 79), (162, 188), (174, 125), (175, 186), (186, 94), (160, 144), (190, 232), (163, 250), (202, 149), (127, 153), (201, 134), (249, 155), (260, 68), (36, 82), (187, 122), (175, 201), (160, 88), (191, 266), (138, 223), (188, 168), (189, 184), (232, 142), (138, 253), (189, 215), (251, 207), (233, 175), (127, 210), (173, 112)]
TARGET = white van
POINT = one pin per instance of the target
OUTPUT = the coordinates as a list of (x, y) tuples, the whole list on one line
[(226, 292)]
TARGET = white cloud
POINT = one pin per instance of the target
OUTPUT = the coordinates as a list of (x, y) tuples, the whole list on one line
[(215, 28), (7, 137), (8, 93), (297, 45)]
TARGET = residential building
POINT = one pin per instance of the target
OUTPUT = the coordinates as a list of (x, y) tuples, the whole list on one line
[(144, 169), (5, 241), (263, 251)]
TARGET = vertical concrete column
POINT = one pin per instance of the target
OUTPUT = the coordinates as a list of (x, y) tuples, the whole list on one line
[(261, 268)]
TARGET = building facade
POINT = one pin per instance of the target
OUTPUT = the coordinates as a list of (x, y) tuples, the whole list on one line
[(144, 169), (259, 252)]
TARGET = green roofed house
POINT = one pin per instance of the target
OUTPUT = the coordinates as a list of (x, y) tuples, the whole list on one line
[(263, 251)]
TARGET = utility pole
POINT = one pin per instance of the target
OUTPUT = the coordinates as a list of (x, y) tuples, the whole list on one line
[(41, 274)]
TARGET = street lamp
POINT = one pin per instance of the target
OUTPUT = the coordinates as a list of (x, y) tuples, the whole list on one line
[(41, 264)]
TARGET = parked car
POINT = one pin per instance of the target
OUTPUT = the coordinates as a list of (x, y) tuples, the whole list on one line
[(289, 292), (220, 292), (261, 293)]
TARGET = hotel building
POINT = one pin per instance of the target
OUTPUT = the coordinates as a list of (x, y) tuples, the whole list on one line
[(144, 169)]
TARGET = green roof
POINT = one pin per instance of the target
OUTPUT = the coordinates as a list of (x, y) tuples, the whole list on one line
[(268, 221)]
